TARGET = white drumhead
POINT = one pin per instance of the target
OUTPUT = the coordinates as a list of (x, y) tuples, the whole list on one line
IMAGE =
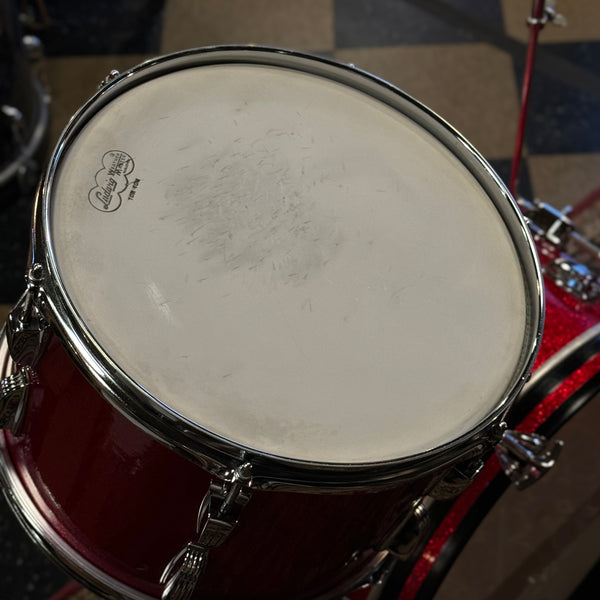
[(289, 263)]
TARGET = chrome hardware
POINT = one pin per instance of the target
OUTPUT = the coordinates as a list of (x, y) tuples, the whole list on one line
[(573, 260), (525, 458), (109, 78), (548, 222), (413, 531), (27, 329), (576, 278), (183, 583), (377, 580), (17, 123), (35, 53), (550, 15), (13, 398), (458, 480), (405, 543), (37, 60), (33, 46), (217, 517)]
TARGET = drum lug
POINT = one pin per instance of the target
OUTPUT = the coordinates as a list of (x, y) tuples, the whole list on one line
[(556, 233), (548, 222), (217, 517), (416, 527), (526, 457), (458, 479), (574, 277), (27, 330), (404, 543), (414, 530), (14, 391), (109, 78)]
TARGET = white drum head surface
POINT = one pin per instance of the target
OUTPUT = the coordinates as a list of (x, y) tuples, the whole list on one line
[(289, 263)]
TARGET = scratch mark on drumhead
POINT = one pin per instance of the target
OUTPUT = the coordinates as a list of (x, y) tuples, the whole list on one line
[(251, 209)]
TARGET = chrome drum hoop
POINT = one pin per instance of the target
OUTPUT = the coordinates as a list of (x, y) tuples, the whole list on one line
[(211, 451)]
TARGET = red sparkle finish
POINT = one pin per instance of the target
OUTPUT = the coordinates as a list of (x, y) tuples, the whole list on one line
[(566, 319)]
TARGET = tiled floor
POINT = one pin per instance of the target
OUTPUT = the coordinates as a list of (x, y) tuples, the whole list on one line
[(463, 58)]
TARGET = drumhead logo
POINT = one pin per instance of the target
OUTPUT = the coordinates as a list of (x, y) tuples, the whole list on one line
[(111, 181)]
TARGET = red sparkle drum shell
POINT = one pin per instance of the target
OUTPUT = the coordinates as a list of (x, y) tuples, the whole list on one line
[(537, 543), (325, 282)]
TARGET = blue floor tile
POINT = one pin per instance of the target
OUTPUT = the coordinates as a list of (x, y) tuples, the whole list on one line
[(103, 27), (563, 117), (391, 22), (503, 168), (27, 573), (15, 223)]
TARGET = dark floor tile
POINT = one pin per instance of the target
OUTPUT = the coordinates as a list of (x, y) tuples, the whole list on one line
[(564, 114), (504, 166), (26, 573), (15, 222), (103, 27), (390, 22), (589, 586), (565, 179)]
